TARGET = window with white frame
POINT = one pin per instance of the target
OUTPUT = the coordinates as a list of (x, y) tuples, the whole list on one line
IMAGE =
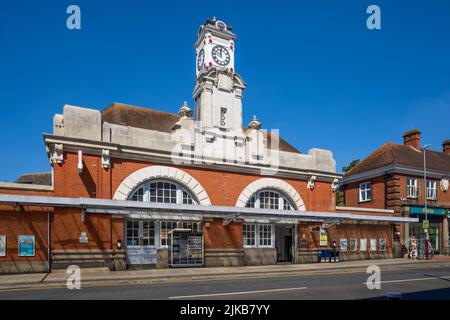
[(269, 199), (162, 191), (167, 226), (373, 245), (265, 235), (132, 233), (431, 190), (365, 191), (138, 194), (249, 235), (258, 235), (412, 190), (140, 233), (362, 245)]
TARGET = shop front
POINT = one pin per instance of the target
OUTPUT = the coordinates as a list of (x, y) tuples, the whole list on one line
[(435, 228)]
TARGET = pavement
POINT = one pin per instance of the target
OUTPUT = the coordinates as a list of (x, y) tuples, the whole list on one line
[(102, 276)]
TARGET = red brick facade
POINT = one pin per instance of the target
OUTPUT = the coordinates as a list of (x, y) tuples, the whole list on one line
[(105, 230)]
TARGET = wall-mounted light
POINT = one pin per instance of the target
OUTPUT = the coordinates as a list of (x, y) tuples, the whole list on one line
[(334, 185), (311, 182)]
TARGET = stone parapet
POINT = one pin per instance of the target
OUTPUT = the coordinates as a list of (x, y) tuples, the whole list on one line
[(12, 267), (162, 258), (307, 255), (260, 256), (224, 257), (89, 258)]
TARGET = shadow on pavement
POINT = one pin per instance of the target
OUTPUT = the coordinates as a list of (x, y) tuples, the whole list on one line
[(435, 294)]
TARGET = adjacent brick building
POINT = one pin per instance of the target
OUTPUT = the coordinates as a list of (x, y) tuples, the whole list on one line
[(392, 177)]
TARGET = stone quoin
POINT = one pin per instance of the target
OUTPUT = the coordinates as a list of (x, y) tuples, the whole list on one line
[(133, 187)]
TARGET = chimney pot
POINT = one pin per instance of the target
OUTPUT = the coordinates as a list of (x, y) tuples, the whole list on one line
[(412, 138), (446, 146)]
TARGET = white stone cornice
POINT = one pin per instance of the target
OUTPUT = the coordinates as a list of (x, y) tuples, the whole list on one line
[(139, 154)]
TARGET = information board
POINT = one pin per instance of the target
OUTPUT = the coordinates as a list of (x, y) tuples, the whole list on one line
[(323, 238), (26, 246), (141, 255), (2, 245)]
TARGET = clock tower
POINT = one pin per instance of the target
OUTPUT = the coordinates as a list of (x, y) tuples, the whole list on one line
[(218, 89)]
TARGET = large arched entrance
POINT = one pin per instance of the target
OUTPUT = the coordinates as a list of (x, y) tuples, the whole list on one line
[(146, 233), (274, 194)]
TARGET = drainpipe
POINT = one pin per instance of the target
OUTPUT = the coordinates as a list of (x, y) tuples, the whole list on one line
[(49, 243)]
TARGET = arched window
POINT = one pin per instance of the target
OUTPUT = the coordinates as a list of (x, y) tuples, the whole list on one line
[(269, 199), (162, 191)]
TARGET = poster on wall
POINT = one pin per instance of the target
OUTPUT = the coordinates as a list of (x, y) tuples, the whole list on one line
[(2, 245), (323, 238), (343, 245), (26, 246)]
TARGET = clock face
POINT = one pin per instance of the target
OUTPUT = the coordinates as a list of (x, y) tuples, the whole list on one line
[(221, 55), (200, 59)]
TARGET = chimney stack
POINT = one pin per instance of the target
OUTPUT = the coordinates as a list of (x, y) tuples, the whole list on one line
[(446, 146), (412, 138)]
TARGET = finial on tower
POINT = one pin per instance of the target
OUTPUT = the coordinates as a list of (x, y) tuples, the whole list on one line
[(185, 110), (254, 124)]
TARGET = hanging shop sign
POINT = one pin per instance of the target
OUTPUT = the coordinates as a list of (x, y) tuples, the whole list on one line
[(323, 238), (2, 246), (27, 246), (421, 210)]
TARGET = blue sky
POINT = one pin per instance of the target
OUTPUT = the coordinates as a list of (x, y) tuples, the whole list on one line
[(313, 69)]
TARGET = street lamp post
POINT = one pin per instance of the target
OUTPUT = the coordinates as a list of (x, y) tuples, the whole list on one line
[(427, 240)]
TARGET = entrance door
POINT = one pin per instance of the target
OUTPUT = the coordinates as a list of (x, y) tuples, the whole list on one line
[(140, 245), (284, 242), (434, 237)]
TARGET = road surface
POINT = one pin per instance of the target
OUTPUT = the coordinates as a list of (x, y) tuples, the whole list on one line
[(421, 283)]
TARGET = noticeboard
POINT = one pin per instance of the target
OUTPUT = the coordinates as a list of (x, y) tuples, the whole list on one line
[(186, 249), (26, 246), (2, 246), (323, 238)]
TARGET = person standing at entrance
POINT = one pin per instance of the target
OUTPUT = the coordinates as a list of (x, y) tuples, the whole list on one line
[(333, 251)]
